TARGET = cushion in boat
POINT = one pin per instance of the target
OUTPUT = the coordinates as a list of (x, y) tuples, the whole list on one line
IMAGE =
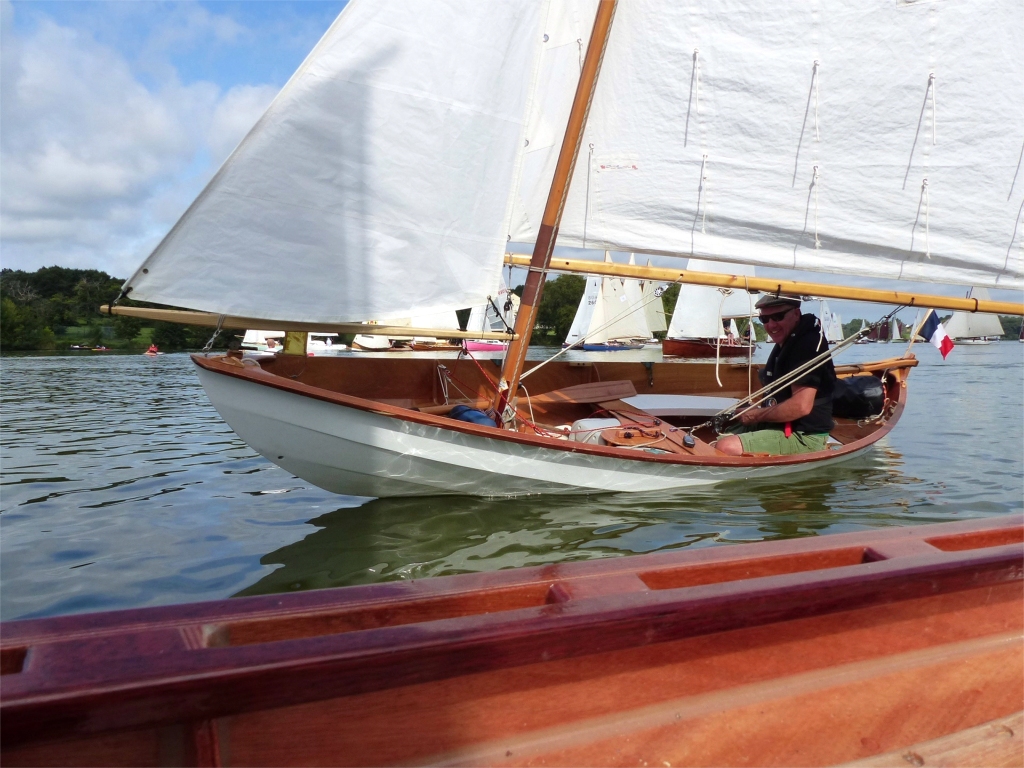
[(681, 405)]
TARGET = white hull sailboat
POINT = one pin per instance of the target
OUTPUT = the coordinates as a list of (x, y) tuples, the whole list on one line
[(388, 176), (974, 328), (360, 446)]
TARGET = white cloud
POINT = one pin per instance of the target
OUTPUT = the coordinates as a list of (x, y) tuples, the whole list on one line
[(235, 114), (96, 165)]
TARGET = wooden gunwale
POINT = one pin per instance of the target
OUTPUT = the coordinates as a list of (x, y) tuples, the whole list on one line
[(266, 378), (100, 673)]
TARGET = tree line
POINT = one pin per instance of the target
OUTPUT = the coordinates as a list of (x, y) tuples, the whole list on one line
[(58, 307)]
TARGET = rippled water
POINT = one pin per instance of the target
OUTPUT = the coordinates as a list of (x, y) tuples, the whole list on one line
[(122, 487)]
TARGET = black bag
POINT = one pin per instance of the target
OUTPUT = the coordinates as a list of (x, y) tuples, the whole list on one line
[(857, 397)]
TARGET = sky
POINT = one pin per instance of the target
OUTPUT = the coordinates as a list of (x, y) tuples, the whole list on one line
[(114, 115)]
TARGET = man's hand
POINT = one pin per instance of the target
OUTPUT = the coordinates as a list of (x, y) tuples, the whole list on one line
[(798, 406)]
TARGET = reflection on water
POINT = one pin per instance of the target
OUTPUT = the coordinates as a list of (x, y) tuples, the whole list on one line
[(121, 487), (416, 538)]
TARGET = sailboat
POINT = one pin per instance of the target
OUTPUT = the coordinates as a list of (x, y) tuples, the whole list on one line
[(654, 307), (416, 140), (497, 314), (974, 327), (831, 323), (610, 316), (697, 328)]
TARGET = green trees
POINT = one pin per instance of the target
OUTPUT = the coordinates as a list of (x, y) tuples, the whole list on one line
[(558, 305)]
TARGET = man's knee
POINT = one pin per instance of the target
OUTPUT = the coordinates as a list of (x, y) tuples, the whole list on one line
[(730, 445)]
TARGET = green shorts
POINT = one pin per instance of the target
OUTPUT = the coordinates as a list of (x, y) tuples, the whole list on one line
[(774, 441)]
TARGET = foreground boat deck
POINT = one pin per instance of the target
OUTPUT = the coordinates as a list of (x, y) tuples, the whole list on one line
[(812, 651)]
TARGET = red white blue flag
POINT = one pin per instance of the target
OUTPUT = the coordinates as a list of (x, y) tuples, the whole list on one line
[(933, 331)]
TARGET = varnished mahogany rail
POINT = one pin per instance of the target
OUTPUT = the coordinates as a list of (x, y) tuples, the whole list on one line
[(882, 639)]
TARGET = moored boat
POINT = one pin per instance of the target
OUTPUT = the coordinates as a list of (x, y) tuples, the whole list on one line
[(898, 645)]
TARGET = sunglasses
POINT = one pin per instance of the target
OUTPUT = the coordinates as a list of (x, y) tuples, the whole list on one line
[(775, 316)]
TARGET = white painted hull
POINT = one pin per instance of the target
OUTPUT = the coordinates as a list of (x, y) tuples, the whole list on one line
[(351, 451)]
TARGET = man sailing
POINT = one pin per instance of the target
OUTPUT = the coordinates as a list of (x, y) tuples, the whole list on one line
[(801, 418)]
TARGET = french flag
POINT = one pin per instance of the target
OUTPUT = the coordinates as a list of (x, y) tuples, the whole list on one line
[(933, 331)]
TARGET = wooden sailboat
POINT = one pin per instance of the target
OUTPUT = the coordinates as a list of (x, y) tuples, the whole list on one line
[(900, 645), (697, 327), (397, 180), (610, 316), (974, 328)]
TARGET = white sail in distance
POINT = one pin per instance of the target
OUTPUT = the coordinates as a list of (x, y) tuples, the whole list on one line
[(973, 325), (654, 307), (635, 298), (391, 152), (700, 309), (763, 134)]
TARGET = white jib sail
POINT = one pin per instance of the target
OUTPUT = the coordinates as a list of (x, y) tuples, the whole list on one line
[(876, 139), (585, 312), (972, 325), (654, 307), (635, 299), (700, 309), (391, 153)]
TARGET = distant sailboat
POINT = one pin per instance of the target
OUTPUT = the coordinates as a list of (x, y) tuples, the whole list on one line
[(654, 307), (974, 327), (831, 323), (697, 328), (605, 320)]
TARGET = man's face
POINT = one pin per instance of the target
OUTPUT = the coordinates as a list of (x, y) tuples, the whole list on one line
[(779, 322)]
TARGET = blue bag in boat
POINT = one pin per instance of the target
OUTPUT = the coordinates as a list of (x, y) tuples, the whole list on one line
[(472, 415)]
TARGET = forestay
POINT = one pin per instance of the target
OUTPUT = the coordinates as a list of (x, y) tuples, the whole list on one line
[(878, 139), (378, 182)]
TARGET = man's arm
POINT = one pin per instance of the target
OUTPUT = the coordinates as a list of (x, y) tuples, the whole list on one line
[(796, 407)]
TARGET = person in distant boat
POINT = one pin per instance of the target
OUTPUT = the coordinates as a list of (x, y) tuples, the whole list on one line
[(153, 349), (801, 417)]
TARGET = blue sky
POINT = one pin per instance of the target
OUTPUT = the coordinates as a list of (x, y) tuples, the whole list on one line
[(116, 114)]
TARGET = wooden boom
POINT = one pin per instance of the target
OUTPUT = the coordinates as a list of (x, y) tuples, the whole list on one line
[(189, 317), (772, 285)]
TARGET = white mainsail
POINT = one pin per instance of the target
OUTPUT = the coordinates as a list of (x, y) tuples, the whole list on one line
[(654, 307), (605, 313), (973, 325), (700, 309), (391, 152), (764, 134), (635, 298)]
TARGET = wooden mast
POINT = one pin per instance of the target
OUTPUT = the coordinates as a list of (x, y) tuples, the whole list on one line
[(772, 285), (548, 231)]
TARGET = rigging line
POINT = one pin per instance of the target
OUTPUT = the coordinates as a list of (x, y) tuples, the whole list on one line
[(586, 203), (814, 74), (216, 333), (500, 317), (924, 191), (931, 86), (814, 184), (704, 187), (583, 339)]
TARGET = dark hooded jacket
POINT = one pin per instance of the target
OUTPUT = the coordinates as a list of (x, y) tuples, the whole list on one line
[(804, 344)]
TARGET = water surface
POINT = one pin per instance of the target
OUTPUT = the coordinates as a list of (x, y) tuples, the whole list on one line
[(122, 487)]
